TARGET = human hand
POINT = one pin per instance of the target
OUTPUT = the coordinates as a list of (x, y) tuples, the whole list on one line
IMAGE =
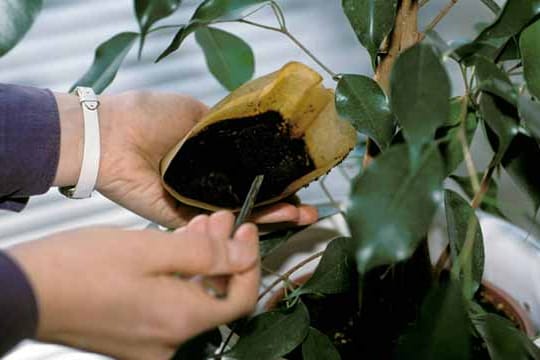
[(114, 291), (137, 130)]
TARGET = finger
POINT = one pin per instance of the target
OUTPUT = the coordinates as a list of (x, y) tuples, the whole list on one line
[(287, 213), (244, 249), (308, 215), (192, 251), (281, 212), (241, 300), (221, 225)]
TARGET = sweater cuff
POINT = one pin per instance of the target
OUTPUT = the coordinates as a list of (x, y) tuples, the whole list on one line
[(29, 143), (18, 307)]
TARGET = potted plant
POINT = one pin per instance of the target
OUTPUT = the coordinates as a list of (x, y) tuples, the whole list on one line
[(376, 294)]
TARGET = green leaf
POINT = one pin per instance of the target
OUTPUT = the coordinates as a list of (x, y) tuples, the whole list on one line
[(318, 346), (420, 92), (107, 60), (393, 205), (149, 12), (335, 273), (208, 12), (501, 118), (489, 202), (442, 330), (529, 112), (228, 57), (16, 18), (494, 80), (372, 21), (468, 257), (521, 162), (530, 51), (452, 150), (503, 340), (268, 243), (270, 335), (515, 15), (361, 101), (202, 346)]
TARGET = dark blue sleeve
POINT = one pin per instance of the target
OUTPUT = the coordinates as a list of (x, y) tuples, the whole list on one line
[(18, 308), (29, 143)]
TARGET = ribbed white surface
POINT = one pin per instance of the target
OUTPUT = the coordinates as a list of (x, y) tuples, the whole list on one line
[(60, 47)]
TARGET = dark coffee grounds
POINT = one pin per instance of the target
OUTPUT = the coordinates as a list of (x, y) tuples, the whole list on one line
[(218, 165)]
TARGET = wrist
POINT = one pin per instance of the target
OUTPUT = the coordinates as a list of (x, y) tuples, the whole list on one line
[(71, 140)]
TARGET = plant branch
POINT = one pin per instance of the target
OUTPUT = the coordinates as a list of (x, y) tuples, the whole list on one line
[(283, 30), (515, 67), (262, 26), (493, 6), (484, 185), (422, 3), (439, 17), (292, 270), (310, 54), (403, 36)]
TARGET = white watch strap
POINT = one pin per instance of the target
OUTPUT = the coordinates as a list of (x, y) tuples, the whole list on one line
[(92, 150)]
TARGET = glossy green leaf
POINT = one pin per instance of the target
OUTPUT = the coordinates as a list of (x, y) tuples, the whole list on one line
[(229, 58), (529, 112), (501, 118), (494, 80), (442, 330), (268, 243), (107, 60), (489, 202), (521, 162), (452, 149), (529, 43), (270, 335), (210, 11), (335, 273), (510, 51), (515, 15), (420, 92), (149, 12), (361, 101), (393, 205), (318, 346), (503, 340), (16, 18), (463, 227), (372, 21), (202, 346)]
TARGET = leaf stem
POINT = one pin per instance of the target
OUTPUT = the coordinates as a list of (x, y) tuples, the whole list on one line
[(484, 185), (439, 17), (289, 272), (163, 27), (514, 68), (310, 54), (283, 30)]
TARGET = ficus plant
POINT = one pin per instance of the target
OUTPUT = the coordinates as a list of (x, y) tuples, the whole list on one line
[(387, 297)]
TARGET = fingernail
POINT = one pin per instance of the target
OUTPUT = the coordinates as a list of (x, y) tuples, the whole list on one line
[(243, 249)]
